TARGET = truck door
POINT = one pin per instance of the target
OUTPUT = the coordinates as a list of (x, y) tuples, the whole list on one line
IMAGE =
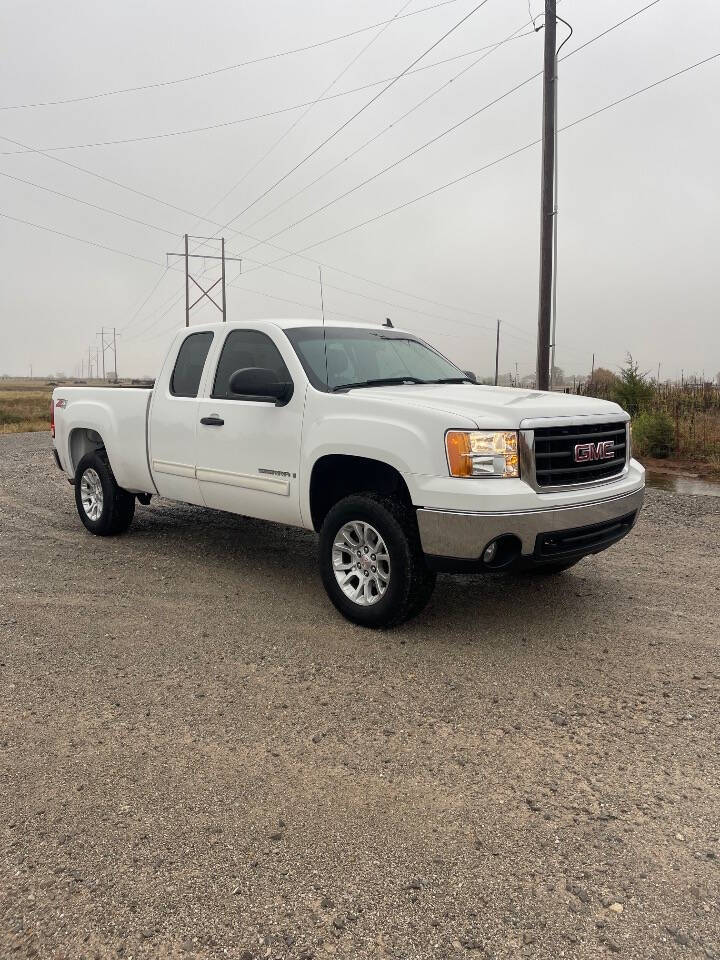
[(248, 449), (174, 421)]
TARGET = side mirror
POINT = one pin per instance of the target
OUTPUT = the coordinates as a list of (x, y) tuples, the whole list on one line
[(470, 375), (259, 383)]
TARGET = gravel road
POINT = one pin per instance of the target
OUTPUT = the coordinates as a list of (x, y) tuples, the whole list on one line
[(200, 758)]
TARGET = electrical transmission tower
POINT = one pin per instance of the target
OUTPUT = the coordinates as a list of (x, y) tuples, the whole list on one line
[(108, 341), (204, 291)]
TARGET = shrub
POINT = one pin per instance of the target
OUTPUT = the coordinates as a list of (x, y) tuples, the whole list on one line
[(632, 391), (653, 434)]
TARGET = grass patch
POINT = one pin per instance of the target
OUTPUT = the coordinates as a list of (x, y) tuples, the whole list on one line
[(24, 409)]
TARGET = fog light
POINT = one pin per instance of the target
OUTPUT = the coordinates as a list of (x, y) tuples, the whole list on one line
[(489, 552)]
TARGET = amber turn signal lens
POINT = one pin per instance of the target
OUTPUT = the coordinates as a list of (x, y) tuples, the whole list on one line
[(482, 453), (458, 451)]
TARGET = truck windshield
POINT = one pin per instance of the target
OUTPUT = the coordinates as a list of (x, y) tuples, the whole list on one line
[(342, 359)]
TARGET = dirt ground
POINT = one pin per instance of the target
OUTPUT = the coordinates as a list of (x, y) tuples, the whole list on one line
[(200, 758)]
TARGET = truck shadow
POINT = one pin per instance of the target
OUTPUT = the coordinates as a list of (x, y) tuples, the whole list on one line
[(495, 606)]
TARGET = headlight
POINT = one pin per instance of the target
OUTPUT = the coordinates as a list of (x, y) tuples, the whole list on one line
[(482, 453)]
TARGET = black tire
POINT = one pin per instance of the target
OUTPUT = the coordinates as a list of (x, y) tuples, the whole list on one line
[(118, 506), (548, 569), (410, 584)]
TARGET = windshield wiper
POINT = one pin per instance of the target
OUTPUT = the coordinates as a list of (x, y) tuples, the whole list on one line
[(382, 382), (451, 380)]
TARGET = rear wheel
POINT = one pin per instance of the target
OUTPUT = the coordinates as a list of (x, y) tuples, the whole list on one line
[(371, 561), (104, 507)]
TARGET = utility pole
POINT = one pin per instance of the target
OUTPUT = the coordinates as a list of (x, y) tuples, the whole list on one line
[(658, 377), (547, 199), (497, 351), (108, 344), (516, 373), (592, 373), (204, 292)]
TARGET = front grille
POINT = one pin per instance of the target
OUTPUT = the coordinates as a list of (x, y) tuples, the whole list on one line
[(555, 464), (582, 540)]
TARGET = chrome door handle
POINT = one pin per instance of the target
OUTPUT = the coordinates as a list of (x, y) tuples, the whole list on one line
[(212, 421)]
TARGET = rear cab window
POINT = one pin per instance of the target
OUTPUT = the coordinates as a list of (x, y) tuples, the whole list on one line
[(189, 365)]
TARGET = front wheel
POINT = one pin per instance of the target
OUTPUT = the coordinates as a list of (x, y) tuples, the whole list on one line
[(371, 561), (104, 507)]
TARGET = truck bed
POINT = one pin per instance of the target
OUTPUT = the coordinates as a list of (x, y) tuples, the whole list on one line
[(119, 416)]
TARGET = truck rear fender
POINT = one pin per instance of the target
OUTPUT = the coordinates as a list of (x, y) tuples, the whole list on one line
[(95, 425)]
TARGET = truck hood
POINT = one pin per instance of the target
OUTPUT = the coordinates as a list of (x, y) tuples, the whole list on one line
[(493, 407)]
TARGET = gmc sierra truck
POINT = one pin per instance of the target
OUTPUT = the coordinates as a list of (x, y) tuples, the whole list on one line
[(402, 463)]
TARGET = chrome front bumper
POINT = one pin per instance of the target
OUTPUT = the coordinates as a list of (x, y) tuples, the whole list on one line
[(464, 536)]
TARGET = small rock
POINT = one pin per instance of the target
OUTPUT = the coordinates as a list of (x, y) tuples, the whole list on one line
[(616, 907), (471, 943)]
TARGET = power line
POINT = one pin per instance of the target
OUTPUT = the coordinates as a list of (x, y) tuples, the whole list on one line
[(302, 253), (439, 136), (296, 122), (350, 119), (279, 111), (70, 236), (407, 156), (276, 143), (491, 48), (357, 113), (311, 103), (139, 309), (172, 206), (234, 66), (176, 297), (502, 159), (188, 131), (87, 203), (110, 180)]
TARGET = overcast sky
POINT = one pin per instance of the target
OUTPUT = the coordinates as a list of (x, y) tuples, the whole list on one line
[(639, 223)]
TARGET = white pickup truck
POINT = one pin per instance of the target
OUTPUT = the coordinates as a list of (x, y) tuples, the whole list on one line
[(401, 461)]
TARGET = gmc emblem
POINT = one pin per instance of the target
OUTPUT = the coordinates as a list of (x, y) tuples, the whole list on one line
[(605, 450)]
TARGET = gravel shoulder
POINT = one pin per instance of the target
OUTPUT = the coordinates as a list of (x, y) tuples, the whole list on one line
[(200, 758)]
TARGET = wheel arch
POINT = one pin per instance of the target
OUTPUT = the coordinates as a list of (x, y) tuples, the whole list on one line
[(335, 476), (83, 440)]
